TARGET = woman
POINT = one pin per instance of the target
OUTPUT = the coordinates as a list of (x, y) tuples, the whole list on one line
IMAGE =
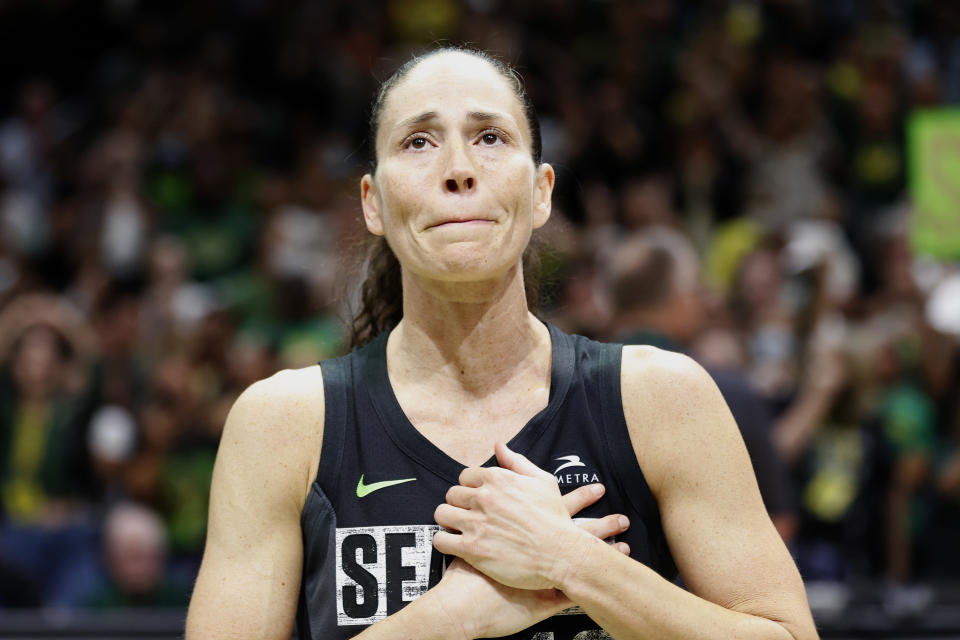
[(332, 481)]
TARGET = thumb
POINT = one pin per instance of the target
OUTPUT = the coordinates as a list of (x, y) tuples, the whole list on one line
[(516, 462)]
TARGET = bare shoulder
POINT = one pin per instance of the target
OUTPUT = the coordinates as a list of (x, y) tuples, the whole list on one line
[(265, 464), (659, 365), (661, 386), (294, 394), (674, 412), (278, 422)]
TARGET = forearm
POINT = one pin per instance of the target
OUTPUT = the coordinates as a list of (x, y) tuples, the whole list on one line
[(630, 600), (793, 431), (425, 618)]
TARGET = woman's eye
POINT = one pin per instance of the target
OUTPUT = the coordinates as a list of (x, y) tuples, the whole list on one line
[(418, 143), (490, 138)]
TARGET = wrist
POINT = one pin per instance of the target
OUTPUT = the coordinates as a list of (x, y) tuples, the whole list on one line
[(574, 549), (820, 394), (593, 556), (449, 620)]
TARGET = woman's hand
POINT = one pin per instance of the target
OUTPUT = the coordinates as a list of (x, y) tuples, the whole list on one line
[(514, 525), (484, 607)]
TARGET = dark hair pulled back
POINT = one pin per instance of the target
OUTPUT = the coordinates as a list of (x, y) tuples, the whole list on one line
[(381, 294)]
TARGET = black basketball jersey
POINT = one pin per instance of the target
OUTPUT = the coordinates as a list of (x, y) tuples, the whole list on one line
[(368, 520)]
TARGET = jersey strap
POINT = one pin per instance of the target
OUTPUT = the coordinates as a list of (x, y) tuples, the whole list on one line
[(631, 482), (338, 401)]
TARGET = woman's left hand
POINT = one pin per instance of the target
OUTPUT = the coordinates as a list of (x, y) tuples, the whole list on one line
[(513, 524)]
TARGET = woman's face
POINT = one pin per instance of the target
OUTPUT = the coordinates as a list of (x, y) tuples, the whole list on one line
[(37, 363), (456, 191)]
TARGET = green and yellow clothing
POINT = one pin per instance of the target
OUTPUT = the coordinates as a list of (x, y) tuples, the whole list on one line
[(41, 454)]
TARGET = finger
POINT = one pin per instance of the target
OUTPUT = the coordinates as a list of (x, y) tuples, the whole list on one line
[(605, 527), (472, 476), (516, 462), (447, 543), (460, 496), (622, 547), (450, 517), (581, 497)]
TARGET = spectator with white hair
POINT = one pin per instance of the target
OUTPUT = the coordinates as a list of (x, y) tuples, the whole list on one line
[(135, 554)]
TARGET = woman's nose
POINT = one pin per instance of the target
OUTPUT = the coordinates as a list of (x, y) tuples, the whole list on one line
[(460, 176), (460, 183)]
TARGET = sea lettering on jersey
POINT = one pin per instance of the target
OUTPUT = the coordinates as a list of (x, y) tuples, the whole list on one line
[(380, 569)]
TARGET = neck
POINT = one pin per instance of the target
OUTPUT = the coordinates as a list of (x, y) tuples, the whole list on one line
[(476, 336)]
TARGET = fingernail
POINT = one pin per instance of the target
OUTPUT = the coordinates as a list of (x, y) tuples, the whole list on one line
[(598, 489), (624, 523)]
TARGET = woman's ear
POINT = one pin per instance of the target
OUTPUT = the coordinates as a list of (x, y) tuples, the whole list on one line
[(543, 195), (371, 205)]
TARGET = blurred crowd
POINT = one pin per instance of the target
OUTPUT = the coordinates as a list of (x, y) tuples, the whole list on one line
[(179, 217)]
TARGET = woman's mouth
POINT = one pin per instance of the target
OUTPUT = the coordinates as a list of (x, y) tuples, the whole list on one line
[(465, 222)]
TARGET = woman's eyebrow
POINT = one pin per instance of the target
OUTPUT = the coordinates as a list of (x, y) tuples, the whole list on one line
[(417, 120), (427, 116), (487, 116)]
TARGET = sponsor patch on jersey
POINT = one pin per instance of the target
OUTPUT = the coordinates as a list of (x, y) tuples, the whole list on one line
[(573, 471)]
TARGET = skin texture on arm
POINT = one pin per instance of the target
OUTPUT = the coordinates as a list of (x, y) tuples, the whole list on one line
[(742, 580), (250, 575)]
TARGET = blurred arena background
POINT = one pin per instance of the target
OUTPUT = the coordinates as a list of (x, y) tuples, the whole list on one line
[(179, 213)]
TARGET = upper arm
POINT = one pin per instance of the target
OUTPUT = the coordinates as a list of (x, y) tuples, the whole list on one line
[(697, 466), (250, 574)]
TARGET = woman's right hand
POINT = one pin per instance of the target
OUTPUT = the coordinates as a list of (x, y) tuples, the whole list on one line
[(481, 607)]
